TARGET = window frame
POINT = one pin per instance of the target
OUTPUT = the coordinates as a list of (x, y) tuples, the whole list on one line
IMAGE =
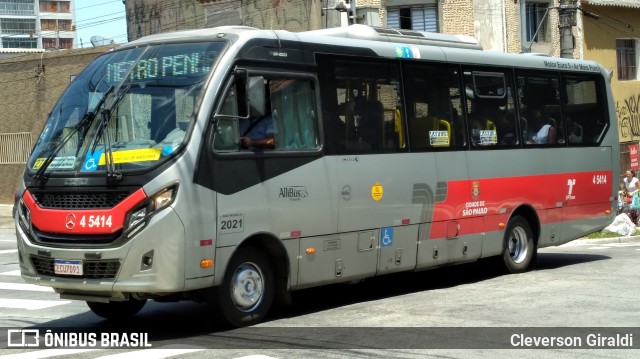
[(230, 83), (461, 116), (600, 92), (508, 77), (561, 138), (421, 6), (345, 145), (526, 31), (623, 72)]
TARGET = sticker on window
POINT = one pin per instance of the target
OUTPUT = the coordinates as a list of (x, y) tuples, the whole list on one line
[(439, 138)]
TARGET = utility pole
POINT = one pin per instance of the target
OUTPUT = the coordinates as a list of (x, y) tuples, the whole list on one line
[(567, 19), (352, 12)]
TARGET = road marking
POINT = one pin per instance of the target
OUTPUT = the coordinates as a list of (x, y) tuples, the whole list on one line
[(13, 273), (23, 286), (8, 240), (7, 251), (157, 353), (31, 304), (46, 353)]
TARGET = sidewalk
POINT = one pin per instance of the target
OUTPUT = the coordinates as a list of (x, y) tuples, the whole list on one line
[(631, 239), (6, 221)]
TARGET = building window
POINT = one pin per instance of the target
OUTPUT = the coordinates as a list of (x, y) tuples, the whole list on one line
[(420, 18), (53, 43), (536, 20), (53, 25), (17, 7), (54, 6), (17, 26), (627, 59), (19, 42), (65, 43)]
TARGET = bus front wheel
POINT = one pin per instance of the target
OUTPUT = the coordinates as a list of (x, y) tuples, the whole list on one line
[(117, 310), (518, 247), (247, 291)]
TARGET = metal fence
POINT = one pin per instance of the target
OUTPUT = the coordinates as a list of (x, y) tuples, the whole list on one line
[(15, 147)]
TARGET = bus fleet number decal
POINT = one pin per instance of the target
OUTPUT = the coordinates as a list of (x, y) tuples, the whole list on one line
[(599, 179), (231, 223), (95, 221)]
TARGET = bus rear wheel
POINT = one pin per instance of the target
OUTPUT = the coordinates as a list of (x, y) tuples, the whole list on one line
[(117, 310), (518, 247), (247, 290)]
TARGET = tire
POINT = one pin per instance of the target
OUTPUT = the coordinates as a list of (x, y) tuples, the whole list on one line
[(518, 248), (117, 310), (247, 290)]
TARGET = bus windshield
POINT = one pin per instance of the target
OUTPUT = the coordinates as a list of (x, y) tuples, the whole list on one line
[(129, 109)]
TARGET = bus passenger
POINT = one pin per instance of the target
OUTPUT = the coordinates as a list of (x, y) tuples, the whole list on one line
[(545, 133), (506, 126), (257, 133)]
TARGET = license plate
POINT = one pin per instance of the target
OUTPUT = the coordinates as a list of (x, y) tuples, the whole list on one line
[(67, 267)]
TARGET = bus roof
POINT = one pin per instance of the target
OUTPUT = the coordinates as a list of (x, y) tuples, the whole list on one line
[(384, 43)]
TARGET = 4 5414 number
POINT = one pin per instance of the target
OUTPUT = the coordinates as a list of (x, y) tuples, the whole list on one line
[(98, 221)]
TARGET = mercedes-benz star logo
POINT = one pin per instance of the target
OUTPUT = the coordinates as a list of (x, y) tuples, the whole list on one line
[(71, 221)]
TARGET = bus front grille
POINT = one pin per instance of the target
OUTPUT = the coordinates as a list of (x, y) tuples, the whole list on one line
[(91, 269), (79, 200)]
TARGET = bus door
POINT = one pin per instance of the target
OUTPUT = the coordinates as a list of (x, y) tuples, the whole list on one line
[(585, 192), (436, 128), (460, 228), (539, 108), (377, 221)]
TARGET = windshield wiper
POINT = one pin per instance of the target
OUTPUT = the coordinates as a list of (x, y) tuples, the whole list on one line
[(103, 127), (86, 120), (103, 132)]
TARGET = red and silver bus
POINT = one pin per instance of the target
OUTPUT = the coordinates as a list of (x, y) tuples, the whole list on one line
[(392, 151)]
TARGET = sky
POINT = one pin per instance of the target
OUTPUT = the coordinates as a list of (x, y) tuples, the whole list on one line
[(104, 18)]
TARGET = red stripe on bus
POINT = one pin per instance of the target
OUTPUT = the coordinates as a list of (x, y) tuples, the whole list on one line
[(481, 205), (96, 221)]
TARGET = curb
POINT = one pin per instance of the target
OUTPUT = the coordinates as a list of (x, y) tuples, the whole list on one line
[(629, 239)]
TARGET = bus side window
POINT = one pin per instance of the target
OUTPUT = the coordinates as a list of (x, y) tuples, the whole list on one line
[(365, 95), (540, 106), (584, 108), (490, 105), (294, 114), (433, 95)]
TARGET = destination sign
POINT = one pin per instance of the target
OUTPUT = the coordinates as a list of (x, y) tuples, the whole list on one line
[(195, 63)]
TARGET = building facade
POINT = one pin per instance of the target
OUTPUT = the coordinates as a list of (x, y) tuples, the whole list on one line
[(31, 85), (147, 17), (37, 24), (612, 38)]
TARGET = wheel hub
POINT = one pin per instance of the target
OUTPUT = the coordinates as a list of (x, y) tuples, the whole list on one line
[(247, 287)]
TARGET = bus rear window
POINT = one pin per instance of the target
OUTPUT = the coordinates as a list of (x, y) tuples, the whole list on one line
[(585, 115)]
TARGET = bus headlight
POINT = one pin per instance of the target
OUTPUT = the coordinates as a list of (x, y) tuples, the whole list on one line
[(139, 216)]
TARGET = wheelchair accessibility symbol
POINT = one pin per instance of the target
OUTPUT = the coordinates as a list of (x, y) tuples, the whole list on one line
[(386, 237), (92, 161), (90, 165)]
